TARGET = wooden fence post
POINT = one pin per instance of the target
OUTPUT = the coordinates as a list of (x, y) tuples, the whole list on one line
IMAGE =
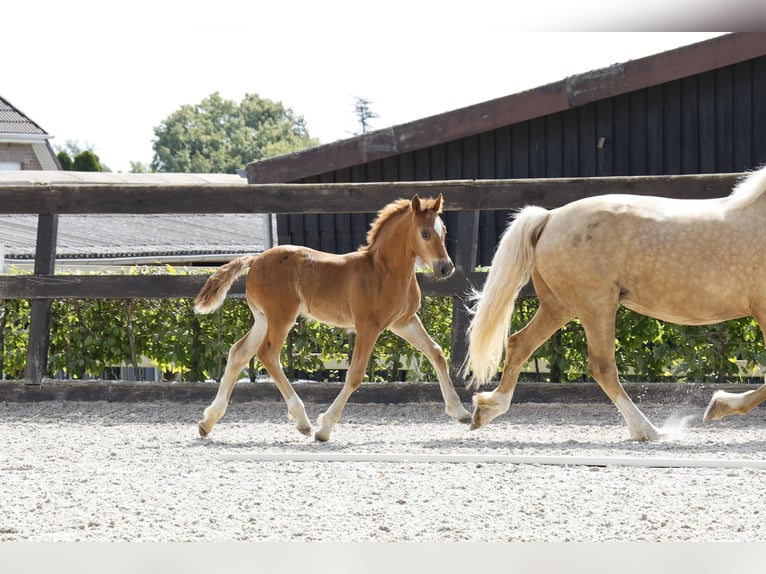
[(465, 262), (40, 318)]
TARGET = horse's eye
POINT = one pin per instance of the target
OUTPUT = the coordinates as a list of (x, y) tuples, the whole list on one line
[(425, 234)]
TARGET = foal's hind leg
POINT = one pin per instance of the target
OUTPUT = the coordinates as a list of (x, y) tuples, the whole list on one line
[(548, 319), (268, 353), (365, 341), (414, 333), (600, 334), (239, 355)]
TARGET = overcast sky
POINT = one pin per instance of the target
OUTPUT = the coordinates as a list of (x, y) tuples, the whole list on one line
[(107, 73)]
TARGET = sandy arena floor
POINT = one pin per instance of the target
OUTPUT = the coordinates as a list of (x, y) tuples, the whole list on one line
[(98, 471)]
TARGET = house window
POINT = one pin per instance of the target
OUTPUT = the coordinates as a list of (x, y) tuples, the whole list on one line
[(9, 165)]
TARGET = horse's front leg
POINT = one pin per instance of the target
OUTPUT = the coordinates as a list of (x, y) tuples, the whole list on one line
[(365, 341), (723, 403), (413, 332)]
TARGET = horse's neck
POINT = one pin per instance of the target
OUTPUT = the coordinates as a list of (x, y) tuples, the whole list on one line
[(391, 248)]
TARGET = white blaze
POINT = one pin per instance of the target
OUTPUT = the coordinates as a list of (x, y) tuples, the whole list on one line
[(439, 227)]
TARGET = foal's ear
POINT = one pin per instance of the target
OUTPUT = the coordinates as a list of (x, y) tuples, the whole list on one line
[(438, 204), (415, 203)]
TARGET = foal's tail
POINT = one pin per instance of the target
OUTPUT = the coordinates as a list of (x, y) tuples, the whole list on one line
[(510, 271), (213, 292)]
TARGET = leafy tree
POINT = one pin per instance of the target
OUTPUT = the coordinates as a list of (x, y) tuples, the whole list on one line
[(139, 167), (222, 136), (65, 160), (73, 157), (87, 161)]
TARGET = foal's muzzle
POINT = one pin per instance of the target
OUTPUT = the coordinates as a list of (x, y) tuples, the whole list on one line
[(443, 268)]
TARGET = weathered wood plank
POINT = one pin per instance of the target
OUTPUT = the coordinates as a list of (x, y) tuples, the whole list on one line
[(460, 195), (35, 287)]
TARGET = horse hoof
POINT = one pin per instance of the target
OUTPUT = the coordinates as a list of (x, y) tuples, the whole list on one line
[(716, 408), (647, 435), (202, 431), (713, 412), (305, 431), (321, 438), (466, 419)]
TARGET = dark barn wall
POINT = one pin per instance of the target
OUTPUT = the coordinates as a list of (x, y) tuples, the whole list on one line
[(708, 123)]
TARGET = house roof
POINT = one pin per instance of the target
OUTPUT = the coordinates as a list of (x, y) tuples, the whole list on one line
[(570, 92), (128, 239), (15, 125)]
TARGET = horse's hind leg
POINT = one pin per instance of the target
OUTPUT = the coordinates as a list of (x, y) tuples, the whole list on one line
[(548, 319), (723, 403), (414, 333), (268, 353), (600, 335), (239, 355)]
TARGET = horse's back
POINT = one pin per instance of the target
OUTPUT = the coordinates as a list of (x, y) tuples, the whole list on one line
[(686, 261)]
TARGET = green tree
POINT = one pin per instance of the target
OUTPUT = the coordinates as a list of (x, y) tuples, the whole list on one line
[(74, 157), (139, 167), (86, 161), (65, 160), (222, 136)]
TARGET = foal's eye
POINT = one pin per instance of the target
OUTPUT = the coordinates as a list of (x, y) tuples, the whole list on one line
[(425, 234)]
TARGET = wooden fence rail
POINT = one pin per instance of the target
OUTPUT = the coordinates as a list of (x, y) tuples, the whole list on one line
[(49, 201)]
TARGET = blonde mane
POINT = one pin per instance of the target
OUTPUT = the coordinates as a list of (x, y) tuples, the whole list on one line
[(384, 215), (748, 189), (389, 212)]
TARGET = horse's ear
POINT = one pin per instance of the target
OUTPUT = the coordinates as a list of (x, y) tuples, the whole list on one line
[(438, 204), (415, 203)]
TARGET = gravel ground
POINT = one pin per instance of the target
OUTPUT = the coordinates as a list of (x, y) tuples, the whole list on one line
[(101, 471)]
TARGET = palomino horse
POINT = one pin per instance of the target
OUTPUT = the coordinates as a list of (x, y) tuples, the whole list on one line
[(369, 290), (692, 262)]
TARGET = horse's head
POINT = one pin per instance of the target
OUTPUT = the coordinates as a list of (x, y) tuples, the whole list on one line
[(429, 234)]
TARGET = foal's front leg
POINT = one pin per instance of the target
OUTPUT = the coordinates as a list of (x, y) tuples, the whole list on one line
[(413, 332), (365, 341)]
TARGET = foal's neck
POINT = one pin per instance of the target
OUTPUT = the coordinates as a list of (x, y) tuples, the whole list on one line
[(391, 246)]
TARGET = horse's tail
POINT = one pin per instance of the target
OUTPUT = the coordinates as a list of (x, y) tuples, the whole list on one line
[(493, 309), (213, 292)]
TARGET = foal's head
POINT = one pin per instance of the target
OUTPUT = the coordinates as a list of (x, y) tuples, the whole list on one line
[(428, 234)]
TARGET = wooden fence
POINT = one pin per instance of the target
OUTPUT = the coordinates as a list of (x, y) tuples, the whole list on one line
[(468, 197)]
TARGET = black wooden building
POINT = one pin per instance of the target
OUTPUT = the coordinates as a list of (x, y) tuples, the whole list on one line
[(696, 109)]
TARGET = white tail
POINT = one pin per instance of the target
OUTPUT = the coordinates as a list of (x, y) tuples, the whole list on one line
[(510, 271)]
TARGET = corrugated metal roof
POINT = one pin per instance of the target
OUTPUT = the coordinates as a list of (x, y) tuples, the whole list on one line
[(97, 237), (132, 236), (12, 177), (14, 122)]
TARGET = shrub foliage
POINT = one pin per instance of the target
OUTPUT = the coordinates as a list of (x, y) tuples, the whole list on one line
[(89, 336)]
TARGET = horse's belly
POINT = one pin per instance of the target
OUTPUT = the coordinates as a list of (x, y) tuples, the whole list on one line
[(687, 308), (333, 316)]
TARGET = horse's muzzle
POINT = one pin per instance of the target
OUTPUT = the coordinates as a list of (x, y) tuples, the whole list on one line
[(443, 268)]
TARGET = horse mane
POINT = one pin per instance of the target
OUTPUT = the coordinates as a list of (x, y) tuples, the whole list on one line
[(748, 189), (389, 212), (384, 215)]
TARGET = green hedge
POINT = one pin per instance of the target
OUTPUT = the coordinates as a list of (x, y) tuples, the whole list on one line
[(89, 336)]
